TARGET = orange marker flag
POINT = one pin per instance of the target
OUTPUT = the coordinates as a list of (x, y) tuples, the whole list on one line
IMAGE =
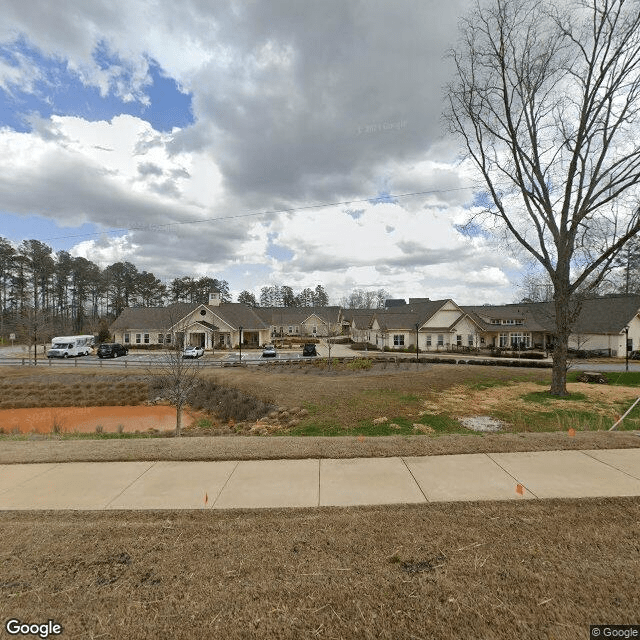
[(572, 432), (519, 489), (206, 499), (360, 438)]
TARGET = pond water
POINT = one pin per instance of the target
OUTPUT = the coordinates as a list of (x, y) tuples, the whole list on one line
[(86, 419)]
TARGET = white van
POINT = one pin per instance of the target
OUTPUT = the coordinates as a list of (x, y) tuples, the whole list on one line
[(67, 346)]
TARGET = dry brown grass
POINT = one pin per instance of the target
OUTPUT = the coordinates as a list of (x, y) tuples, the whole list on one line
[(531, 571)]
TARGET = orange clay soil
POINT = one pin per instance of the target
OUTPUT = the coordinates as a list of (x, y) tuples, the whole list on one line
[(86, 419)]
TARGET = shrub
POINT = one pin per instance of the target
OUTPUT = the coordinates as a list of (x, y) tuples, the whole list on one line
[(361, 346), (360, 364), (228, 403)]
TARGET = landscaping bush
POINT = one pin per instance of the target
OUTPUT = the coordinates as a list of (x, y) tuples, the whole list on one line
[(362, 346), (227, 403)]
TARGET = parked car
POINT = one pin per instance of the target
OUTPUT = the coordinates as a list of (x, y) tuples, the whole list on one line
[(309, 350), (193, 352), (111, 350), (269, 351)]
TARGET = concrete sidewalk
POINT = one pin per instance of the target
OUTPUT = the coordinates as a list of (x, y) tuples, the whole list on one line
[(320, 482)]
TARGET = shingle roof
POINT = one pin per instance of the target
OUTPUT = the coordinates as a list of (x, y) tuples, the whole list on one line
[(362, 320), (163, 318), (597, 315), (297, 315), (237, 315), (152, 318), (406, 317)]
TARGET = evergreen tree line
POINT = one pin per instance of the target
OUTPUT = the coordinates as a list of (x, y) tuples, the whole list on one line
[(56, 293), (46, 293)]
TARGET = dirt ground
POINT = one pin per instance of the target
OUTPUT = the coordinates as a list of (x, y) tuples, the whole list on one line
[(531, 571)]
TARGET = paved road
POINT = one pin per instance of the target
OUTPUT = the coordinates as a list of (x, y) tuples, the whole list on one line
[(314, 483)]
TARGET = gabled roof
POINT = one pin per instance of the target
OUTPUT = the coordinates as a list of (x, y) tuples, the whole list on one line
[(236, 314), (297, 315), (363, 320), (597, 315), (349, 314), (152, 318), (165, 318), (406, 317)]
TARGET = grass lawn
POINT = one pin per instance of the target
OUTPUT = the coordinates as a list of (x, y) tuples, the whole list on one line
[(528, 570), (381, 400)]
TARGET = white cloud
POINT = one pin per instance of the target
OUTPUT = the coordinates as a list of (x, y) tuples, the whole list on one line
[(292, 108)]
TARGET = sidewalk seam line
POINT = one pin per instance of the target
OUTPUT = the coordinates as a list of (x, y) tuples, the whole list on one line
[(414, 479), (153, 464), (609, 464), (319, 463), (55, 464), (510, 474), (226, 482)]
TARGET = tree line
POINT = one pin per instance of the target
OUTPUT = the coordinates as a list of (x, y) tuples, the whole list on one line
[(52, 292)]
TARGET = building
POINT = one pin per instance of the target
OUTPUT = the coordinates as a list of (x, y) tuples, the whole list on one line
[(302, 321), (213, 325), (602, 325)]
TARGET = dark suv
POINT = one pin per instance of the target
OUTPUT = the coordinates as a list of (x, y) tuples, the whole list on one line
[(309, 350), (111, 350)]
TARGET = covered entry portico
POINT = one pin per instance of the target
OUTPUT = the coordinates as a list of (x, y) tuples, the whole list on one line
[(201, 334)]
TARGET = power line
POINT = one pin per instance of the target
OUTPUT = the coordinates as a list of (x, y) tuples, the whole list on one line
[(388, 197)]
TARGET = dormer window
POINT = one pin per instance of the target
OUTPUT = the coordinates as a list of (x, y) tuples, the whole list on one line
[(203, 312)]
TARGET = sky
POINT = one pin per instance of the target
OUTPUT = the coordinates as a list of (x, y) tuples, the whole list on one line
[(260, 143)]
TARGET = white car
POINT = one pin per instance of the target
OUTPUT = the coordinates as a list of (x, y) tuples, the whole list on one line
[(269, 351), (192, 352)]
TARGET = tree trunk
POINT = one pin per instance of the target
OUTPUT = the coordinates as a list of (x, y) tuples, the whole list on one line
[(178, 419), (563, 329)]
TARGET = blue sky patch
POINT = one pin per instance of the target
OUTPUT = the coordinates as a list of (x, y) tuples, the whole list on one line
[(58, 90), (18, 228)]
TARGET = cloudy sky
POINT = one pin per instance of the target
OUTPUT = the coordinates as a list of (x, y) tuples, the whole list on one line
[(261, 143)]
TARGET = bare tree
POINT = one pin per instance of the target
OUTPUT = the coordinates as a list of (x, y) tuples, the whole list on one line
[(546, 98), (176, 377)]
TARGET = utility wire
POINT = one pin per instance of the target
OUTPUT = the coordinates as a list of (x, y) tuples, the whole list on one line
[(258, 213)]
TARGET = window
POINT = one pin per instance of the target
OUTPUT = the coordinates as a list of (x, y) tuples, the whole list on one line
[(398, 340), (160, 337), (458, 340), (167, 338), (314, 330), (146, 338), (127, 338), (297, 329), (138, 338), (496, 321), (470, 339), (504, 339), (520, 340), (441, 340), (508, 322), (428, 340), (290, 329)]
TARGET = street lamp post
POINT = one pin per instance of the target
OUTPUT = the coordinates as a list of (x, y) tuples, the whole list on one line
[(240, 344), (626, 348), (417, 336)]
